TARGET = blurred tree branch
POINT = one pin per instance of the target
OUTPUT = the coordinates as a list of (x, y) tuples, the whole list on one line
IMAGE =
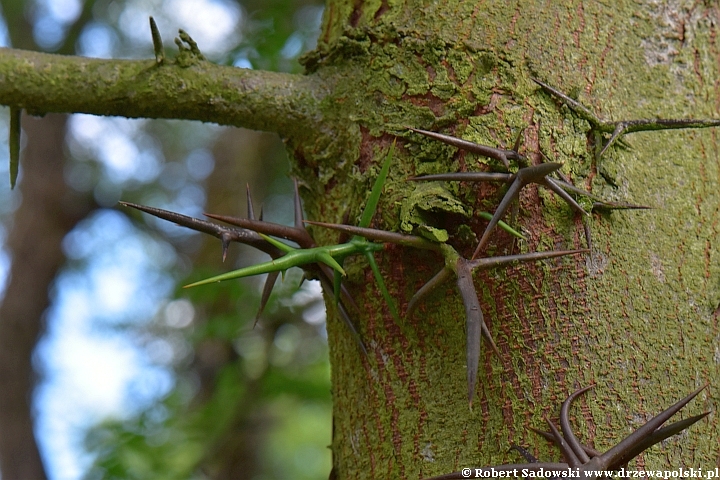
[(188, 88)]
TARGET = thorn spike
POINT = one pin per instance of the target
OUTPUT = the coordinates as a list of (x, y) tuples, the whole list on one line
[(297, 206), (157, 42), (426, 289), (225, 239), (570, 437), (265, 296), (619, 130), (250, 209), (496, 153), (616, 454), (473, 314), (14, 133), (567, 452)]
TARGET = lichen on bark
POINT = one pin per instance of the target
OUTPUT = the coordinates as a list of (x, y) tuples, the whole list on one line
[(643, 307)]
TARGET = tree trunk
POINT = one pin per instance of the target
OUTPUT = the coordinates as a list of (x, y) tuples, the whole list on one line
[(638, 316)]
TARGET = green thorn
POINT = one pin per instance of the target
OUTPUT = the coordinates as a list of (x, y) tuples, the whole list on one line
[(487, 216), (14, 141), (277, 243), (328, 260), (267, 267), (372, 203), (381, 285)]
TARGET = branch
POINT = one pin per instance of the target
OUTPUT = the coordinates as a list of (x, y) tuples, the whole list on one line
[(188, 88)]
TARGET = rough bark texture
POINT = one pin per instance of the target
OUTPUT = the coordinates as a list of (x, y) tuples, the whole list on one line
[(638, 317)]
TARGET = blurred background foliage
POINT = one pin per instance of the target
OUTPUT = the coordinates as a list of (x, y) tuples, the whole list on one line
[(138, 378)]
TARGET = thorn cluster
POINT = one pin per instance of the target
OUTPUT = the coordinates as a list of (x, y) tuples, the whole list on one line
[(322, 262), (462, 269), (584, 459), (622, 127), (325, 262)]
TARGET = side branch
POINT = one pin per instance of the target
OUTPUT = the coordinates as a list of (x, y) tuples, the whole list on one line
[(192, 90)]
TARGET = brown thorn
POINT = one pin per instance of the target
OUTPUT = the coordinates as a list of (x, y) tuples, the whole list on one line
[(567, 452), (570, 437), (250, 209)]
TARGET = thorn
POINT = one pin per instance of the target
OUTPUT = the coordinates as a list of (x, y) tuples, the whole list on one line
[(619, 206), (599, 202), (267, 290), (534, 174), (381, 286), (301, 237), (328, 260), (634, 444), (245, 236), (482, 263), (567, 452), (574, 105), (297, 204), (661, 434), (518, 139), (487, 216), (14, 142), (496, 153), (157, 42), (618, 129), (184, 37), (426, 289), (552, 185), (225, 239), (588, 234), (631, 446), (327, 285), (474, 319), (617, 454), (250, 209), (525, 454), (372, 202), (380, 235), (549, 436), (277, 250), (493, 262), (570, 437)]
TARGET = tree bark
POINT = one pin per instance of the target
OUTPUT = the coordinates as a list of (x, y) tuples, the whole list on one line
[(638, 317)]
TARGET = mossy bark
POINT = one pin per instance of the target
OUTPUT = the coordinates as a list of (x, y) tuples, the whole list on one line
[(638, 317)]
